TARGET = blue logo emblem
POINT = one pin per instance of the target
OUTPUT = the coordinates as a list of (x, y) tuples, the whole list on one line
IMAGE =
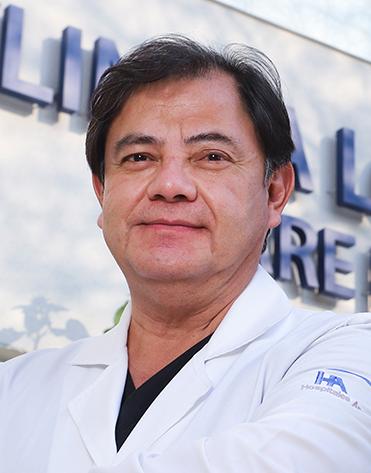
[(331, 380)]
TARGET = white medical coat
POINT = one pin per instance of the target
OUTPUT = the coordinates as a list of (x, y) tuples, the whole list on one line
[(276, 390)]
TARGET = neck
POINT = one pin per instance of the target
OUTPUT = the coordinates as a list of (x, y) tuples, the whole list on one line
[(167, 319)]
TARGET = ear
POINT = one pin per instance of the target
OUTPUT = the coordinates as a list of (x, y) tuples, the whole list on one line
[(100, 221), (280, 187), (98, 188)]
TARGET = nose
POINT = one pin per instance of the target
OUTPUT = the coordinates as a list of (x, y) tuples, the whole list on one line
[(172, 183)]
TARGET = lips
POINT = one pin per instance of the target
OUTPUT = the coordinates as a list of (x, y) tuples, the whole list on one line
[(172, 223)]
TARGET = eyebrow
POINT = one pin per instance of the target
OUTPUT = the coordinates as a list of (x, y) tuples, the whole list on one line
[(210, 136), (141, 139), (136, 139)]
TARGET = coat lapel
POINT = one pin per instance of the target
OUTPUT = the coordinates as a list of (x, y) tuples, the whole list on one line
[(95, 411), (90, 400), (258, 308), (86, 421), (177, 400)]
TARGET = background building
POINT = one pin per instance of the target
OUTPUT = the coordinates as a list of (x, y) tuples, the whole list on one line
[(58, 280)]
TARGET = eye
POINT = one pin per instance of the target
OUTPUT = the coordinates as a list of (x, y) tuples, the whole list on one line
[(214, 159), (215, 156), (136, 158)]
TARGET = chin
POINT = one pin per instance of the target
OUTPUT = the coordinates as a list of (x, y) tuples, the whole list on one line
[(166, 271)]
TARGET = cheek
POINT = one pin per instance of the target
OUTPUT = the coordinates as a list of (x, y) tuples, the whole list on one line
[(241, 214), (115, 214), (241, 201), (119, 198), (112, 205)]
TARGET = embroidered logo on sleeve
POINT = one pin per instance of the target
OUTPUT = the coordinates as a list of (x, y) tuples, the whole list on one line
[(327, 381), (330, 380)]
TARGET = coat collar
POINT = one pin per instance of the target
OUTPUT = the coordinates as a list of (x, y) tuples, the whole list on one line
[(94, 410), (261, 305), (108, 348)]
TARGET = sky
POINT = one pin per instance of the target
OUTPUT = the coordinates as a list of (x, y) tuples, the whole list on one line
[(342, 24)]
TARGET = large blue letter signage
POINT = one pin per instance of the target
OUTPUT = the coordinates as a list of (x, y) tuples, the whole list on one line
[(71, 71), (346, 196), (301, 254), (303, 179), (329, 265), (10, 60), (105, 54)]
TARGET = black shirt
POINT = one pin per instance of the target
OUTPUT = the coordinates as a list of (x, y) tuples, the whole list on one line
[(135, 402)]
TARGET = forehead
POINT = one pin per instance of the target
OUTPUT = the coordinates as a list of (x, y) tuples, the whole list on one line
[(216, 84), (178, 108), (215, 89)]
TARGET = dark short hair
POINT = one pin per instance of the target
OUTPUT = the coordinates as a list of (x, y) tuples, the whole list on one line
[(176, 56)]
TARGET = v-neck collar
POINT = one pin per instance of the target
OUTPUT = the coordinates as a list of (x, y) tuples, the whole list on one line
[(135, 401)]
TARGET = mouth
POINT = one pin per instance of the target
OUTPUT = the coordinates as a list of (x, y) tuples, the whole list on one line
[(172, 225)]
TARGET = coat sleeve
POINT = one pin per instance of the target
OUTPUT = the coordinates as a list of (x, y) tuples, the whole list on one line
[(316, 419), (3, 378), (3, 382)]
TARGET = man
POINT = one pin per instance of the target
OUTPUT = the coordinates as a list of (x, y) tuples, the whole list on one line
[(210, 369)]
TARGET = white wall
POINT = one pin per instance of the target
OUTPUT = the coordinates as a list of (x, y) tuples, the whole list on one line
[(50, 245)]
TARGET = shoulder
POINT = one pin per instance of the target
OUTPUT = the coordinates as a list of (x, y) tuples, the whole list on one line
[(334, 338), (317, 326), (45, 370), (32, 368), (305, 333), (339, 341)]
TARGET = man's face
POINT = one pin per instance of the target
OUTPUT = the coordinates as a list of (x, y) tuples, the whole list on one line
[(184, 195)]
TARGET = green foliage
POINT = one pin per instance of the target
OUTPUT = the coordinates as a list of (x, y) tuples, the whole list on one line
[(118, 313), (117, 316)]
